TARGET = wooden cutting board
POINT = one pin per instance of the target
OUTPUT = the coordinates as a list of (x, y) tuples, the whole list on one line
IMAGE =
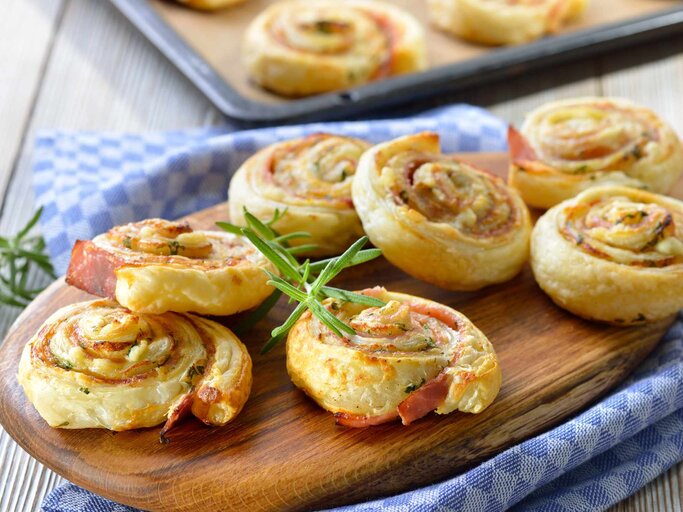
[(285, 453)]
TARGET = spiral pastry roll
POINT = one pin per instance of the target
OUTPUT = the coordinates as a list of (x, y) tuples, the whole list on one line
[(568, 146), (504, 22), (613, 254), (303, 47), (439, 219), (408, 358), (154, 266), (309, 179), (98, 365)]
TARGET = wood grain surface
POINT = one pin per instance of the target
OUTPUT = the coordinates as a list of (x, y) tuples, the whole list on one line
[(285, 453)]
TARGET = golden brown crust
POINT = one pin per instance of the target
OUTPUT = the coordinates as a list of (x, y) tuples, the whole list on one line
[(504, 22), (568, 146), (98, 365), (408, 358), (612, 254), (303, 47), (439, 219), (309, 179), (154, 266)]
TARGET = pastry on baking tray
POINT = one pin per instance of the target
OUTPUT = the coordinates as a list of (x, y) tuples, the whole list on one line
[(504, 22), (613, 254), (439, 219), (98, 365), (303, 47), (408, 358), (310, 180), (209, 5), (568, 146), (155, 265)]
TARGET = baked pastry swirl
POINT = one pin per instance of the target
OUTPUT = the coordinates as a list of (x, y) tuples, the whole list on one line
[(154, 266), (310, 178), (568, 146), (500, 22), (408, 358), (613, 254), (303, 47), (98, 365), (439, 219)]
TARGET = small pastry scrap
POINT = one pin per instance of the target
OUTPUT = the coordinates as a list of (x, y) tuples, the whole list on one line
[(504, 22), (613, 254), (98, 365), (568, 146), (408, 358), (155, 265), (310, 180), (439, 219), (304, 47), (209, 5)]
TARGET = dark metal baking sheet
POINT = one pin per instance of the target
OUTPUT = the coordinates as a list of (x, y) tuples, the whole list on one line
[(500, 63)]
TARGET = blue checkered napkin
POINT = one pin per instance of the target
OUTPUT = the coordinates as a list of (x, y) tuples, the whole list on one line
[(89, 182), (587, 464)]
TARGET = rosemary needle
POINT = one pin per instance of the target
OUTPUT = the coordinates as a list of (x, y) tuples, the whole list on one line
[(18, 254), (305, 283)]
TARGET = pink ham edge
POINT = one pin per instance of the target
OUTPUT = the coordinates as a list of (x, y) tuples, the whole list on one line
[(520, 150), (93, 269), (425, 399), (360, 421)]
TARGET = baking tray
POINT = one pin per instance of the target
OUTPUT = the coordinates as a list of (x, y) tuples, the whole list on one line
[(206, 47)]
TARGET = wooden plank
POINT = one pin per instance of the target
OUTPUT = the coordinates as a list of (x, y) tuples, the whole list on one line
[(115, 81), (649, 75), (27, 30), (102, 75), (518, 97), (88, 66), (535, 396)]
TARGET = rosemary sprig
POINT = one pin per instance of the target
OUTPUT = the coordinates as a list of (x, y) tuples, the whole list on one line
[(305, 283), (18, 255)]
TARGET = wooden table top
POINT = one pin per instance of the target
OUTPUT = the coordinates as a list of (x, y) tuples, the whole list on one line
[(77, 64)]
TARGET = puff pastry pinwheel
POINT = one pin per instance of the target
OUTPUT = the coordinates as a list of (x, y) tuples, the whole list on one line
[(303, 47), (154, 266), (439, 219), (98, 365), (568, 146), (408, 358), (613, 254), (504, 22), (310, 180)]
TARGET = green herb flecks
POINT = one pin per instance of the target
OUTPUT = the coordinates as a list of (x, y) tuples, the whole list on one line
[(18, 255), (63, 363), (84, 390), (174, 247), (194, 371), (305, 283), (412, 387)]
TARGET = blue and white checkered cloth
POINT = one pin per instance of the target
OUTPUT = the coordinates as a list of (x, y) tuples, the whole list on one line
[(89, 182)]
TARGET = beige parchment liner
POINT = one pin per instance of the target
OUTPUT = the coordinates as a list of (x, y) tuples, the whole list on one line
[(217, 36)]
